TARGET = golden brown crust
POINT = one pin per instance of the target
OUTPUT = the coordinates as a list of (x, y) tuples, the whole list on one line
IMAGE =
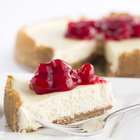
[(118, 15), (28, 53), (83, 116), (129, 65), (12, 104)]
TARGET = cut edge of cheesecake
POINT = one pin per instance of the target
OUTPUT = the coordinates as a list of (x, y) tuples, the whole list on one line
[(129, 64), (13, 102), (124, 59)]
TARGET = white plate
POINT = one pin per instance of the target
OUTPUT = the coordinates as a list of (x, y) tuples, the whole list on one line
[(126, 91)]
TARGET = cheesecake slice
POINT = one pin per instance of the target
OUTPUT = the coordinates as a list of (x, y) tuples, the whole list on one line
[(28, 97)]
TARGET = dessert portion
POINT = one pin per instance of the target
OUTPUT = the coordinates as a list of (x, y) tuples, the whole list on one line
[(114, 40), (56, 93)]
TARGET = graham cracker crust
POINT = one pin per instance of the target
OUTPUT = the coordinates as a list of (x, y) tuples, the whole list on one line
[(82, 116), (12, 103), (129, 65)]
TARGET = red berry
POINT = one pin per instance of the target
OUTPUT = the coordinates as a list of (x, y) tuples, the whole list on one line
[(81, 30), (86, 73), (59, 76), (117, 28), (112, 28), (136, 29), (54, 76), (40, 84)]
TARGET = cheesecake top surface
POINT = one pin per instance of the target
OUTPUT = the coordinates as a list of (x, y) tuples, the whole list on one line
[(51, 34)]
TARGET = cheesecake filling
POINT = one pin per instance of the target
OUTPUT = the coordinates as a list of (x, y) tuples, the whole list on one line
[(73, 55), (58, 105)]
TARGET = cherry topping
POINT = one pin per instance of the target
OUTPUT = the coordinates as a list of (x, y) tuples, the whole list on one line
[(86, 73), (81, 30), (54, 76), (136, 29), (59, 76), (113, 28), (117, 28)]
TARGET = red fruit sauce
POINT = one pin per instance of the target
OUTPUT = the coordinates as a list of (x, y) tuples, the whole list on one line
[(112, 28), (59, 76), (136, 29), (81, 30)]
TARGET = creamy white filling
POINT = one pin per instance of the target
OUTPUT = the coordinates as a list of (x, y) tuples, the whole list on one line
[(51, 34), (57, 105), (114, 49)]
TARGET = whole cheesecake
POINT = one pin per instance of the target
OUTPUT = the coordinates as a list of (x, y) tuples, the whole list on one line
[(113, 40), (55, 93)]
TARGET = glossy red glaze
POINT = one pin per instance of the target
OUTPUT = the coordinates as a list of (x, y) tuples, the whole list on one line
[(87, 75), (81, 30), (59, 76), (111, 28), (117, 28), (136, 29)]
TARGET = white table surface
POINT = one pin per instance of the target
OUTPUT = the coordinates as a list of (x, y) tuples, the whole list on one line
[(17, 13)]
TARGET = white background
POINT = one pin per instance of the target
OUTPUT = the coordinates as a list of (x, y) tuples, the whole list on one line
[(17, 13)]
